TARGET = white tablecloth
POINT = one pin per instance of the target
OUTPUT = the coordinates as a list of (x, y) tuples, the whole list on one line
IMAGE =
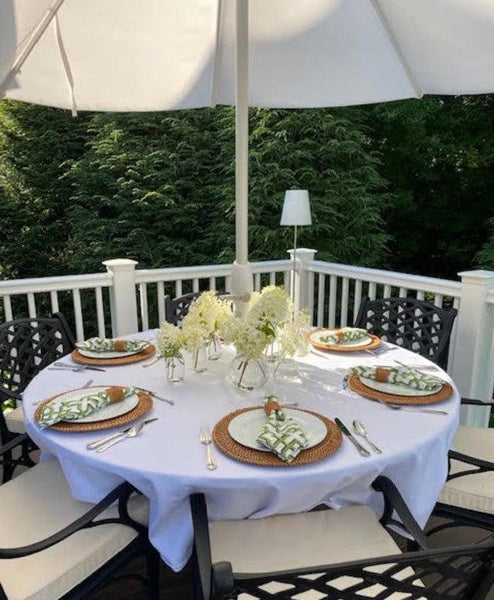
[(167, 462)]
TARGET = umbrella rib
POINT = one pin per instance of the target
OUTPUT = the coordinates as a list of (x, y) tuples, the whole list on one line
[(396, 47), (35, 37), (66, 65)]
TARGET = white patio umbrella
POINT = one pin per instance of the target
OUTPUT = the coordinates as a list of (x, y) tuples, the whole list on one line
[(123, 55)]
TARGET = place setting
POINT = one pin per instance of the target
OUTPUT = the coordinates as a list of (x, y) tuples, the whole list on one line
[(106, 352), (398, 386), (276, 435), (93, 408), (346, 339)]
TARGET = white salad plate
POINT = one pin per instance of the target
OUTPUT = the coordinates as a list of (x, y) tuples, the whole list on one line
[(397, 389), (315, 336)]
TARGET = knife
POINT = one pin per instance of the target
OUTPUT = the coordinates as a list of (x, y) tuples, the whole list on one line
[(109, 438), (360, 449)]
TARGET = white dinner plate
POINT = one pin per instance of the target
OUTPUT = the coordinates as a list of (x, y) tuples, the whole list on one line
[(397, 389), (109, 354), (115, 409), (245, 428), (315, 336)]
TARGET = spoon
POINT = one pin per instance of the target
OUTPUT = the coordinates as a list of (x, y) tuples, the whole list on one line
[(133, 432), (359, 429)]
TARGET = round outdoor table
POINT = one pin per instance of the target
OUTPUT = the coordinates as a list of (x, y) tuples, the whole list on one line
[(167, 462)]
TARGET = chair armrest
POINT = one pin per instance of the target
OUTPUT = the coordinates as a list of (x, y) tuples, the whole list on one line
[(17, 441), (393, 500), (120, 493), (6, 394), (482, 465), (471, 401)]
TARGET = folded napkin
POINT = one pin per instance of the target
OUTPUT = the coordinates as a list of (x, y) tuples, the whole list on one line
[(68, 410), (280, 434), (346, 334), (412, 378), (98, 344)]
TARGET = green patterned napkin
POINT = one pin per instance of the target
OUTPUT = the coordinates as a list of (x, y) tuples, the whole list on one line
[(346, 334), (98, 344), (280, 434), (69, 410), (412, 378)]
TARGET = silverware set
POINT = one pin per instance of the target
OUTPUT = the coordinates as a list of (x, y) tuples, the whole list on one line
[(75, 368), (361, 431), (130, 432)]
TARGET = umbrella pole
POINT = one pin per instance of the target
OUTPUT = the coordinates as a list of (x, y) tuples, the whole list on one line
[(241, 271)]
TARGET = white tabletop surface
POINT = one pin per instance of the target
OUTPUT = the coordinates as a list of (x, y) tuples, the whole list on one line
[(167, 463)]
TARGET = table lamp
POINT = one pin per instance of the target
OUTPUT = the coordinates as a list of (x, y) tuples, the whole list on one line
[(296, 212)]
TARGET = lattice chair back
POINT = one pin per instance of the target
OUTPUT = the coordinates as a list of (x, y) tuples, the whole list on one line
[(28, 345), (463, 573), (414, 324), (177, 309)]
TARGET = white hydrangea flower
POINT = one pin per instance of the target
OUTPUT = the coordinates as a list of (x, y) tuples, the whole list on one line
[(170, 341)]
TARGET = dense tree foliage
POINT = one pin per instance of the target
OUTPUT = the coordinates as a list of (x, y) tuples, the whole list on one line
[(405, 185)]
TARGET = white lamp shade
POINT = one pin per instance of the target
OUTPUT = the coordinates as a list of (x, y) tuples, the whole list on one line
[(296, 208)]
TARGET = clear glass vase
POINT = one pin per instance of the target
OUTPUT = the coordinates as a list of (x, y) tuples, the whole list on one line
[(215, 348), (272, 352), (175, 369), (200, 360), (249, 374), (286, 369)]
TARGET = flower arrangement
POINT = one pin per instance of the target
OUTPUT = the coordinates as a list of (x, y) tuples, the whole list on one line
[(171, 343), (292, 336), (202, 324)]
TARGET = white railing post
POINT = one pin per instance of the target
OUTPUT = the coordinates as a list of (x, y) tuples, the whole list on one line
[(301, 283), (123, 303), (472, 361)]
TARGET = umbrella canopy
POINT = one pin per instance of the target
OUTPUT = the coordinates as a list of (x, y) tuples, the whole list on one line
[(122, 55)]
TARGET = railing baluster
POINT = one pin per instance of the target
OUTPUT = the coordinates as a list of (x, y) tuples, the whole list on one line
[(178, 288), (320, 299), (228, 283), (387, 291), (143, 297), (403, 292), (195, 285), (7, 307), (333, 282), (420, 295), (286, 281), (272, 279), (372, 290), (79, 325), (357, 298), (31, 305), (54, 302), (100, 312), (438, 300), (160, 287), (257, 282), (344, 302), (212, 283), (310, 301)]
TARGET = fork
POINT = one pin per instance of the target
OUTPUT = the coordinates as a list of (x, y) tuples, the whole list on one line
[(424, 410), (205, 438)]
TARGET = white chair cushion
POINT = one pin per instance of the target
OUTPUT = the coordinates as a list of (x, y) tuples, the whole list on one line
[(300, 540), (15, 420), (286, 542), (476, 491), (37, 504)]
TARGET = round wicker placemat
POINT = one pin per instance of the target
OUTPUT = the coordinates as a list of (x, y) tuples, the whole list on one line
[(110, 362), (233, 449), (374, 344), (355, 384), (144, 405)]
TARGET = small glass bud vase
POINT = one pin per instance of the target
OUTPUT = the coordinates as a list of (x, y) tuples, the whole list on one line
[(200, 360), (175, 369), (286, 369), (249, 374), (272, 352), (214, 348)]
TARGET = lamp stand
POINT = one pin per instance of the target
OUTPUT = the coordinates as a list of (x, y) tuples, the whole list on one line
[(294, 267)]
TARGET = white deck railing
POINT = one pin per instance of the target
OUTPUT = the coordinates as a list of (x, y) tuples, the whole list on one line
[(125, 299)]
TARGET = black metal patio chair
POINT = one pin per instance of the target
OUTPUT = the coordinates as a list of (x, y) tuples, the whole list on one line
[(414, 324), (27, 346), (52, 546), (344, 554), (177, 308)]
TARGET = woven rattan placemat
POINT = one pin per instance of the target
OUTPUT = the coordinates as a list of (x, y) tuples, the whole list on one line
[(113, 362), (355, 384), (337, 348), (233, 449), (144, 405)]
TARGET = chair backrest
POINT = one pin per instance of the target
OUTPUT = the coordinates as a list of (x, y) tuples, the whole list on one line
[(177, 309), (28, 345), (414, 324)]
